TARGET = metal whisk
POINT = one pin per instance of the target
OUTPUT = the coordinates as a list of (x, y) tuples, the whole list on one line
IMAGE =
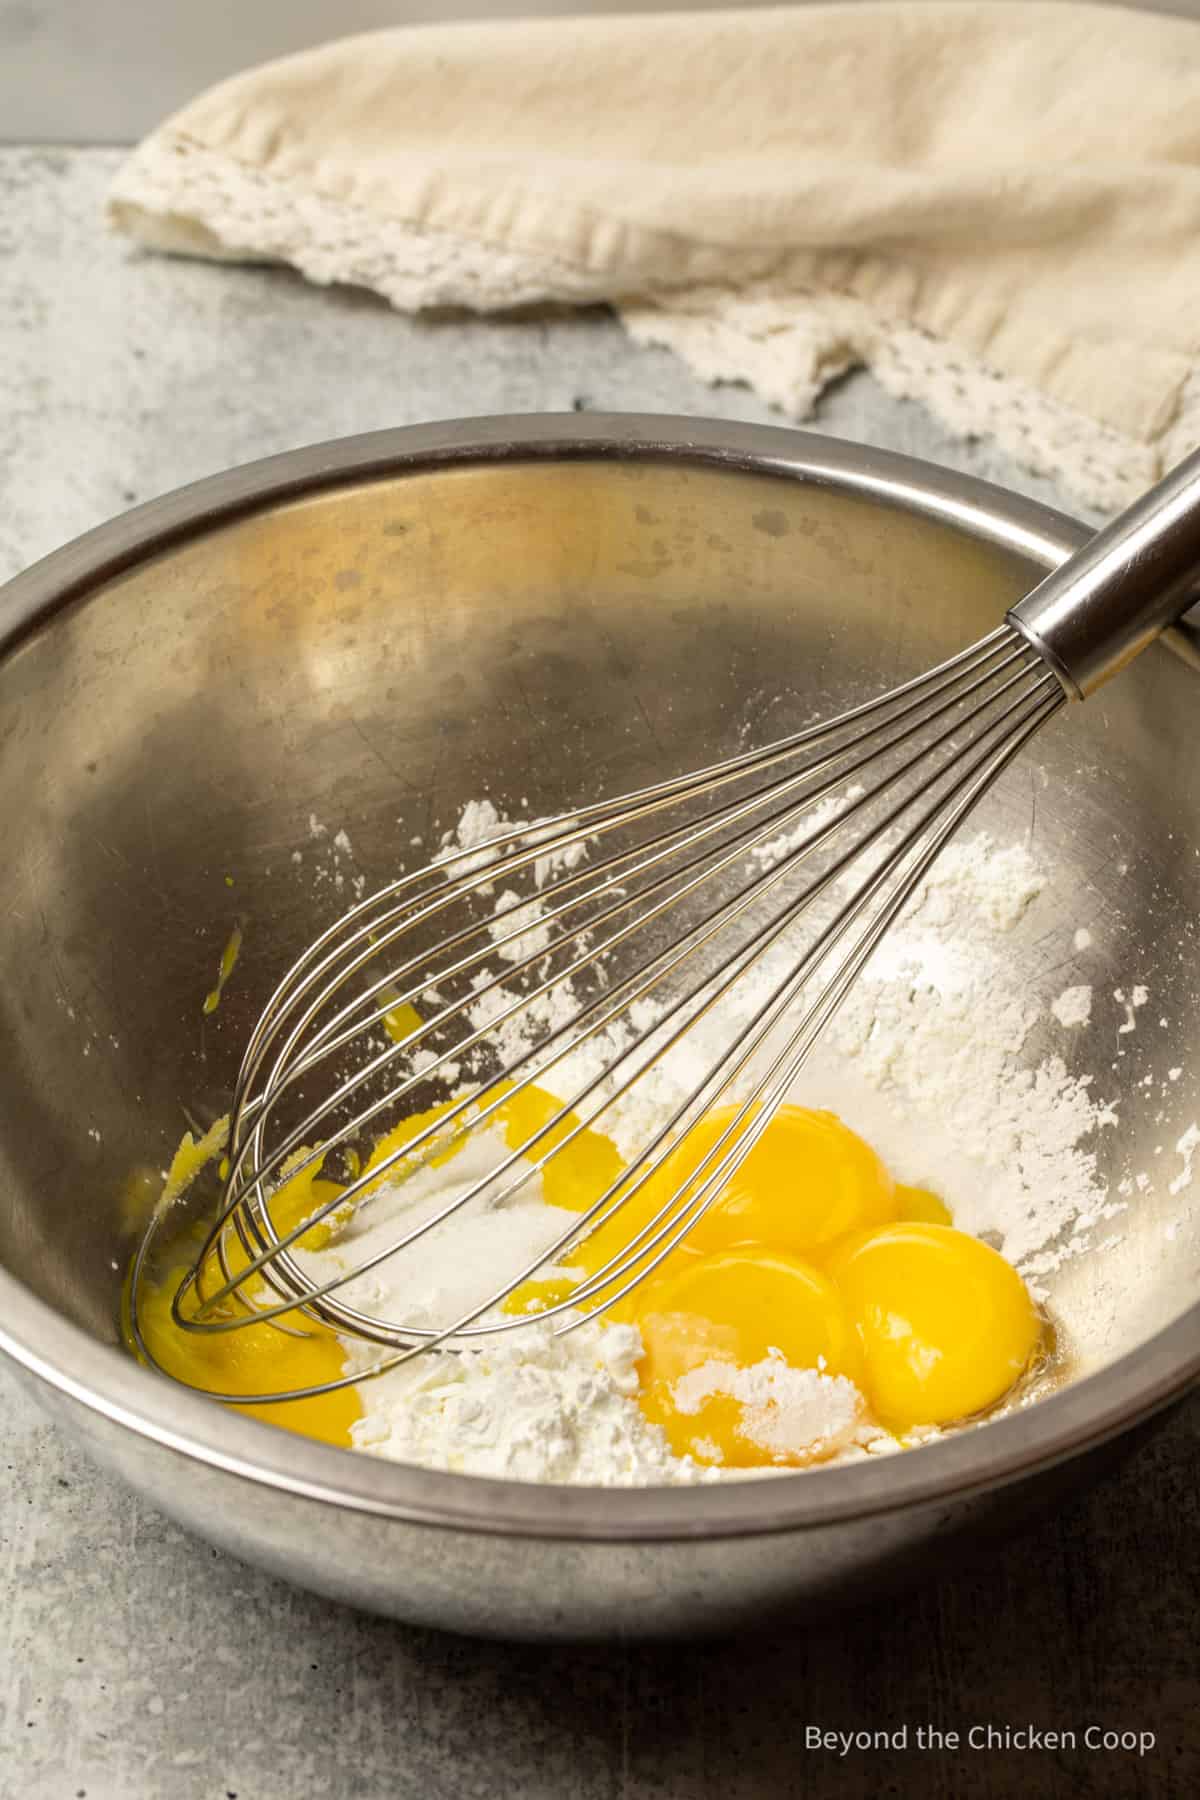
[(633, 929)]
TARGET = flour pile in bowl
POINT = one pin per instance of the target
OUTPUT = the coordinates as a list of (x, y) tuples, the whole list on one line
[(929, 1061)]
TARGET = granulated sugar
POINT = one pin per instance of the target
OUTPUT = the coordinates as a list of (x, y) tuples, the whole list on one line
[(528, 1406)]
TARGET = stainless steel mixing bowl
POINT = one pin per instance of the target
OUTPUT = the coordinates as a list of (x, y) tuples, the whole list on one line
[(541, 609)]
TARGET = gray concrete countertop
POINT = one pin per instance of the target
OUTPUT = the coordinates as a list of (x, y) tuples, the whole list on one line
[(135, 1661)]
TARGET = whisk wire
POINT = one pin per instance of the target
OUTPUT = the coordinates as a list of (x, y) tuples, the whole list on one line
[(658, 967), (752, 836), (590, 822), (932, 748), (679, 1214)]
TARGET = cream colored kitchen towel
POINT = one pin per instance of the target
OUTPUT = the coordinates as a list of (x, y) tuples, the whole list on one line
[(996, 207)]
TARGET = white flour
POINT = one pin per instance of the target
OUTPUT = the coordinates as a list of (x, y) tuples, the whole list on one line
[(530, 1407), (927, 1061), (1186, 1148), (1073, 1006), (784, 1411)]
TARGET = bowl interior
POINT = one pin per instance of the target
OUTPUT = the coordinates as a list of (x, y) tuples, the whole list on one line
[(181, 743)]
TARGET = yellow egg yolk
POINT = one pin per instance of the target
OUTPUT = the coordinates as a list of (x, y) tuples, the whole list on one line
[(807, 1181), (811, 1254), (254, 1359), (916, 1203), (262, 1359), (808, 1192), (736, 1308), (946, 1325)]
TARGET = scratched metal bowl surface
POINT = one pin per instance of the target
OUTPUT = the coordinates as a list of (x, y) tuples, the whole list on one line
[(545, 609)]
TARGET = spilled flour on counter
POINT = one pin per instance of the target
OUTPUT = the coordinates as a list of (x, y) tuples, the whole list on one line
[(929, 1061)]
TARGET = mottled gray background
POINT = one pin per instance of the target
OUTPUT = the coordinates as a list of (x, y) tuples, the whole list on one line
[(137, 1663)]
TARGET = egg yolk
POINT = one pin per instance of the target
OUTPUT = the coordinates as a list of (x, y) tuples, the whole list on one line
[(736, 1308), (254, 1359), (810, 1259), (580, 1170), (946, 1325), (804, 1184), (258, 1359), (916, 1203), (808, 1180), (262, 1359)]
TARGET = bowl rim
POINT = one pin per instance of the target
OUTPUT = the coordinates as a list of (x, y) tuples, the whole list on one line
[(104, 1380)]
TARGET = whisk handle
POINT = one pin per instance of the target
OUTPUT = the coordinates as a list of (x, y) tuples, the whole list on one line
[(1100, 608)]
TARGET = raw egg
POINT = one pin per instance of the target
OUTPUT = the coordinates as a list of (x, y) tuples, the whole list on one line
[(808, 1180), (946, 1325), (734, 1311), (254, 1359), (813, 1297), (263, 1359)]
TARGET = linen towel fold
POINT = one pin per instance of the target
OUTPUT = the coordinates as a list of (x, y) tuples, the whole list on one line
[(997, 207)]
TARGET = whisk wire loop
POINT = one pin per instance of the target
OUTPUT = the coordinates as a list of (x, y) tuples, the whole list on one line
[(664, 924), (654, 972), (751, 837)]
